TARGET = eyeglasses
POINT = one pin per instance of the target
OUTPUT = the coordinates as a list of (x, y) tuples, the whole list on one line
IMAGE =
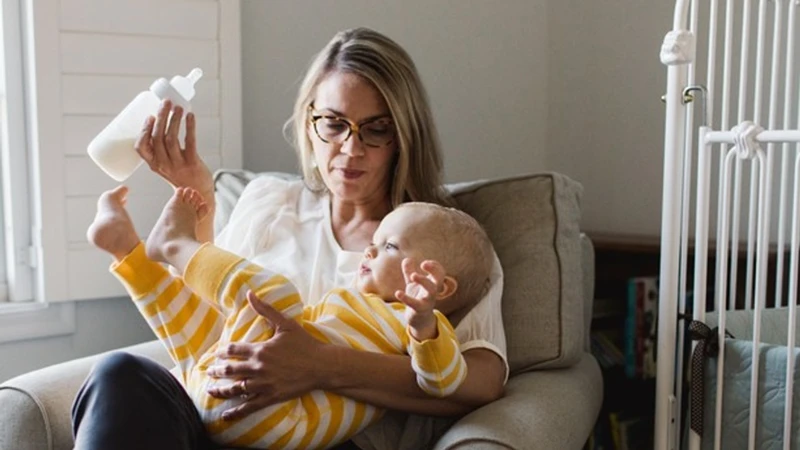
[(377, 132)]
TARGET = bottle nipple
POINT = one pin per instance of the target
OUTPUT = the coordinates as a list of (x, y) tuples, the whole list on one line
[(185, 85)]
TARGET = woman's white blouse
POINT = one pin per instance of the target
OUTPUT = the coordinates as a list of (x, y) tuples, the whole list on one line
[(285, 227)]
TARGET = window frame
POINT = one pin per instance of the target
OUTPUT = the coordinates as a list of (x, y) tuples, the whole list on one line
[(35, 42), (18, 248)]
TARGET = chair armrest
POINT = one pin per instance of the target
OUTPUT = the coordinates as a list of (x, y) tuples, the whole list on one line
[(36, 406), (543, 409)]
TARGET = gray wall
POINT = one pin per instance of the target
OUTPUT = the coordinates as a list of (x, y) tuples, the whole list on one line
[(605, 123), (484, 64), (516, 86), (100, 325)]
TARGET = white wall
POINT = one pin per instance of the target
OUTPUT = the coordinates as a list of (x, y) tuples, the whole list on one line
[(605, 118), (484, 64), (100, 325)]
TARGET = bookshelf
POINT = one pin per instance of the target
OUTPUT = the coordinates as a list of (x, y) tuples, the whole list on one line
[(618, 260), (626, 418)]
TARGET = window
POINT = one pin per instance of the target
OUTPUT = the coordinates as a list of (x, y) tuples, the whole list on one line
[(24, 313), (19, 258)]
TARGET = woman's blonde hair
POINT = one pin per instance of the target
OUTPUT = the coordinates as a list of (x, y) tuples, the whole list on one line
[(417, 171)]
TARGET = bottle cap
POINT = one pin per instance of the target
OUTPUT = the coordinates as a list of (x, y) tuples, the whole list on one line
[(185, 85), (180, 90)]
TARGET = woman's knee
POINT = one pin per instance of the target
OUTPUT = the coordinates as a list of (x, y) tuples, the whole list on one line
[(119, 368), (132, 399), (114, 378)]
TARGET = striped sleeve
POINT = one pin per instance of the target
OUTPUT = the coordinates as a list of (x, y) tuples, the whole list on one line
[(224, 278), (185, 324), (438, 362), (363, 321)]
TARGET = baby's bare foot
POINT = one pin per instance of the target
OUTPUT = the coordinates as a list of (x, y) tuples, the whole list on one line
[(176, 225), (112, 229)]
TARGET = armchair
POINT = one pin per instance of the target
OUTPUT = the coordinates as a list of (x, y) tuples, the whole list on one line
[(554, 391)]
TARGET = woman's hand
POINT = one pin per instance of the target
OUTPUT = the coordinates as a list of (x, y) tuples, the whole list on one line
[(286, 366), (160, 147)]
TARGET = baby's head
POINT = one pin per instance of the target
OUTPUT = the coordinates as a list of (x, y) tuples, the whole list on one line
[(423, 231)]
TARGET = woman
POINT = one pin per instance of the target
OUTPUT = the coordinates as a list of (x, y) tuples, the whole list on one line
[(366, 142)]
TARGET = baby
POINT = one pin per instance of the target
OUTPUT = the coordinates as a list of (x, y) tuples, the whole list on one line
[(398, 307)]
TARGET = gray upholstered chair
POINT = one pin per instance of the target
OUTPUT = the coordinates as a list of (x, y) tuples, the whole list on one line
[(555, 390)]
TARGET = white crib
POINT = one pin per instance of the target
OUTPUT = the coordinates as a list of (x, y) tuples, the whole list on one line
[(731, 198)]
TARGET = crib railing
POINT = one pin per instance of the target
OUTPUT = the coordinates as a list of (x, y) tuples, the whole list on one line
[(731, 151)]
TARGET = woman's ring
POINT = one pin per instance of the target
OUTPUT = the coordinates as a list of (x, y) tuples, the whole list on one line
[(243, 385)]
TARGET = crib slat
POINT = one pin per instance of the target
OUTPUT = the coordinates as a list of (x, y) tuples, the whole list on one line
[(721, 222), (787, 119), (764, 170), (795, 245), (773, 123), (766, 136), (795, 254), (723, 239), (686, 202), (666, 432), (761, 234), (744, 66), (701, 247), (726, 110)]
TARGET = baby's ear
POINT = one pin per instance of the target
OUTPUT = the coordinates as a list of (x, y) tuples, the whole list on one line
[(448, 288)]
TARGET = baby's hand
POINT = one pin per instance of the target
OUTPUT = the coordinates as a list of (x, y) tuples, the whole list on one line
[(420, 296)]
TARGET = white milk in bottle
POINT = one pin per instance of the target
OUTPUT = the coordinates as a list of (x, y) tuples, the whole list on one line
[(113, 148)]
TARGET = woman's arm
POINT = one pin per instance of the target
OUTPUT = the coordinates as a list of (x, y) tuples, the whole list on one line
[(389, 382), (293, 363)]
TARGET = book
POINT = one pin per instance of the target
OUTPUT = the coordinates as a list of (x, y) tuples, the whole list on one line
[(641, 323), (630, 330), (606, 351), (650, 327)]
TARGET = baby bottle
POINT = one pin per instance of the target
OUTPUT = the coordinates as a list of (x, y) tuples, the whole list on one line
[(113, 149)]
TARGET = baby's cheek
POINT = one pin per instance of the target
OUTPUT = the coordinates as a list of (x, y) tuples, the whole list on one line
[(398, 281)]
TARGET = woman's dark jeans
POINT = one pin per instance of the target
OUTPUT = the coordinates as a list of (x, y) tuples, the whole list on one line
[(129, 402)]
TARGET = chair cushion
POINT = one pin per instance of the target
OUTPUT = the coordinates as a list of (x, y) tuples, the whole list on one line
[(534, 224)]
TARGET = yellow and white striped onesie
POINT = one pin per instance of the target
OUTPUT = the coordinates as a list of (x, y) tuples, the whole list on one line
[(188, 327)]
